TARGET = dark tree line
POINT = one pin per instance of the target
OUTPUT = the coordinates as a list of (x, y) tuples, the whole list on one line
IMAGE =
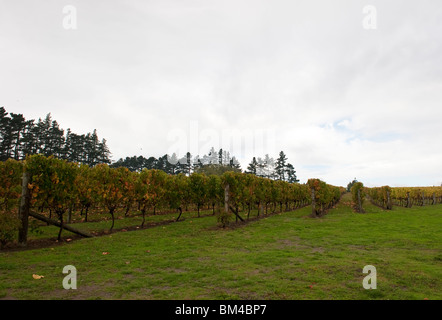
[(20, 137), (215, 162)]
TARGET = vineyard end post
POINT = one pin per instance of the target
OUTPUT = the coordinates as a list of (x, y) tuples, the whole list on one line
[(313, 203), (23, 211), (389, 206), (226, 198), (359, 201)]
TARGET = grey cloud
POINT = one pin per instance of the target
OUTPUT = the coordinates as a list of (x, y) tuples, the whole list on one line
[(137, 69)]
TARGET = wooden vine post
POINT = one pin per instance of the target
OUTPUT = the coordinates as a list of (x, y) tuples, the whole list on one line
[(408, 200), (23, 211), (313, 204), (389, 206), (360, 202), (226, 198), (227, 205)]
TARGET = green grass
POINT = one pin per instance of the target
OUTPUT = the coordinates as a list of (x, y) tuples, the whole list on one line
[(283, 256)]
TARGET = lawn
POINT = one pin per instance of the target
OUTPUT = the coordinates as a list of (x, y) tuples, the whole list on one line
[(282, 256)]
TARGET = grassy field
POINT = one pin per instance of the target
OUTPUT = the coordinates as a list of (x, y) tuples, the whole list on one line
[(283, 256)]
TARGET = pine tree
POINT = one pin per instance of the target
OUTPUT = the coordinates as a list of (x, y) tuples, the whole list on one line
[(181, 166), (151, 163), (103, 152), (29, 140), (226, 157), (74, 147), (162, 163), (253, 166), (17, 128), (197, 163), (172, 163), (260, 168), (269, 167), (92, 149), (213, 156), (5, 136), (220, 156), (186, 164), (56, 140), (45, 146), (280, 168), (234, 163), (291, 174)]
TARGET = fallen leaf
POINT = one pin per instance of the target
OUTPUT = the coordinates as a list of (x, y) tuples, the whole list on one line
[(148, 251), (104, 253), (36, 276)]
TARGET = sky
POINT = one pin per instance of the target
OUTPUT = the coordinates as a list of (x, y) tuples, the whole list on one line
[(346, 88)]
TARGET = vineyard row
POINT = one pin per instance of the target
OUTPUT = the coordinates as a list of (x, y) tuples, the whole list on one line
[(41, 184), (387, 196)]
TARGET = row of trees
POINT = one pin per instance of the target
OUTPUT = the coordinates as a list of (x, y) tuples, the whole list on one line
[(215, 162), (278, 169), (20, 137), (387, 196), (60, 187), (172, 164), (409, 196)]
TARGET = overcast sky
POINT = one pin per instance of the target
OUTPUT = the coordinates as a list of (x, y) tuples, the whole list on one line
[(306, 77)]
